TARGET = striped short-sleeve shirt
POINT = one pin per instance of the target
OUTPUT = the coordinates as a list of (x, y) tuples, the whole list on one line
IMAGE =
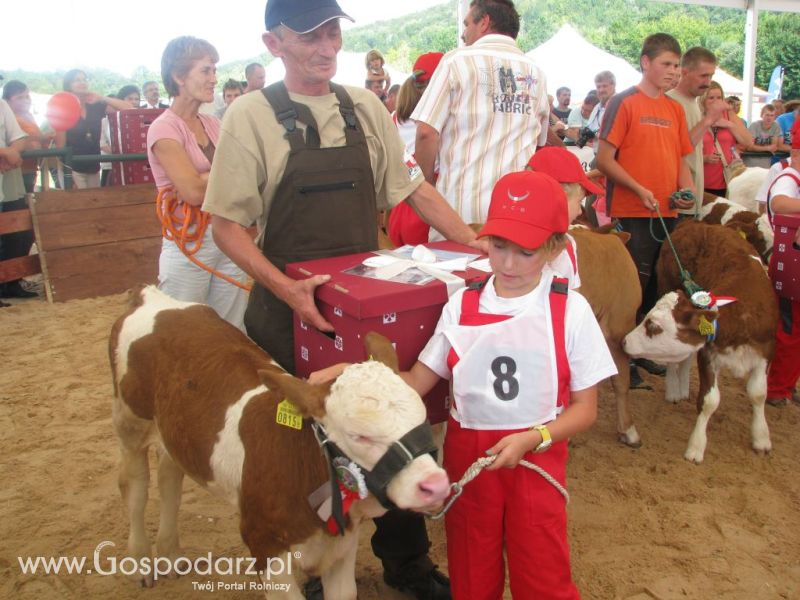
[(488, 101)]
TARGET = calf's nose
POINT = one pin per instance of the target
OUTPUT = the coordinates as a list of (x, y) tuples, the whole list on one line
[(434, 487)]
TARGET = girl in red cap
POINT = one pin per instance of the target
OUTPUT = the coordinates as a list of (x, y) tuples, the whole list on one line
[(524, 355), (404, 225)]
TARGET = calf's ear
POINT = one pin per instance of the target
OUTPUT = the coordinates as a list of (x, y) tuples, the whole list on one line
[(379, 348), (622, 235), (309, 399)]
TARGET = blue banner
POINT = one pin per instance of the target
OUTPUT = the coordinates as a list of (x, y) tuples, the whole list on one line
[(775, 84)]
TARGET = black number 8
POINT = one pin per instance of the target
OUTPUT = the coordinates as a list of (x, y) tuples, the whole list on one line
[(504, 368)]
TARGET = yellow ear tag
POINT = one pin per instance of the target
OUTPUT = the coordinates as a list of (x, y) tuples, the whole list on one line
[(705, 327), (742, 233), (288, 415)]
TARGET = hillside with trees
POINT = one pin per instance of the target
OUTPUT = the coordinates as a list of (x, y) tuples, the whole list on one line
[(617, 26)]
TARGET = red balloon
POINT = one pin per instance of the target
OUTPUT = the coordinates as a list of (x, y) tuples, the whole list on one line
[(63, 111)]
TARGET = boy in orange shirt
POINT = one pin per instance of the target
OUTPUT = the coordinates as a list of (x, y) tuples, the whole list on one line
[(643, 139)]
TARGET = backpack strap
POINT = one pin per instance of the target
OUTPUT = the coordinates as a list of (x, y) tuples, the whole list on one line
[(769, 192), (470, 306), (288, 112), (559, 291), (353, 132), (471, 315), (570, 248)]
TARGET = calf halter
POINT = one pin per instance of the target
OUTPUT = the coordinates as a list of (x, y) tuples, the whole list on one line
[(415, 443), (699, 297)]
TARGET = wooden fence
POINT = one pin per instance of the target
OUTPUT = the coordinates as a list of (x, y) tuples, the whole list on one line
[(91, 242)]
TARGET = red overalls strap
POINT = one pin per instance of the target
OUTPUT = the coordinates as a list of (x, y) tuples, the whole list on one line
[(571, 253), (559, 288), (769, 193)]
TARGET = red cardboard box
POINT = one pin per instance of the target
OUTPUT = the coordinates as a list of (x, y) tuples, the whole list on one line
[(406, 314), (784, 266), (129, 136)]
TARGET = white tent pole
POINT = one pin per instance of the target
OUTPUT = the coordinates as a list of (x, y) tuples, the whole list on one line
[(751, 35), (463, 9)]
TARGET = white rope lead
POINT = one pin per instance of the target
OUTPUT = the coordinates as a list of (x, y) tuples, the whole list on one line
[(476, 467)]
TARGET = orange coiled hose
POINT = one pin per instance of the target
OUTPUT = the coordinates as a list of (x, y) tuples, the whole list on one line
[(177, 218)]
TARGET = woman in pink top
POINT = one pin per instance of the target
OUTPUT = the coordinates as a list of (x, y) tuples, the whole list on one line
[(727, 131), (180, 148)]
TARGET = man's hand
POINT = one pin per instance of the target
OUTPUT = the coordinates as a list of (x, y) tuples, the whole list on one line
[(714, 110), (481, 245), (510, 449), (712, 159), (9, 159), (648, 199), (299, 295), (681, 203)]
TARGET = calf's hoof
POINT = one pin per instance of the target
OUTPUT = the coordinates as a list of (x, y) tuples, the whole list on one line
[(694, 456), (762, 449), (630, 438)]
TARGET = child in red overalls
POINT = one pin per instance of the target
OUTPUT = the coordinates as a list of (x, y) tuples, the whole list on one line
[(524, 354), (524, 357)]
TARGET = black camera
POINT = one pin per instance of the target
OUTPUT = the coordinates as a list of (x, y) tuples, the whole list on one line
[(584, 135)]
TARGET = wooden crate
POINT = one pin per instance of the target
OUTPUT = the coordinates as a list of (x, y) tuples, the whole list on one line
[(96, 242)]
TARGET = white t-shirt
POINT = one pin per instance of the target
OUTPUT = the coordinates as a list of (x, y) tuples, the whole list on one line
[(563, 266), (785, 186), (596, 120), (576, 119), (587, 352), (774, 171), (488, 102)]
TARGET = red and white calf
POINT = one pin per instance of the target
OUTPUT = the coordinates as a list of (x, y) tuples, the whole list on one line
[(739, 336), (213, 403), (755, 228)]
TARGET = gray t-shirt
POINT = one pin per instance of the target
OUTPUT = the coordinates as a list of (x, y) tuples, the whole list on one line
[(764, 137), (695, 159)]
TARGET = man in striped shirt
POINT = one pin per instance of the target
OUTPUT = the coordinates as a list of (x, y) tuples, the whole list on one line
[(484, 112)]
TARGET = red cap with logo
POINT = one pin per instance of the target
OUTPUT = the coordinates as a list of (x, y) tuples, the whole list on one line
[(425, 65), (564, 167), (527, 208)]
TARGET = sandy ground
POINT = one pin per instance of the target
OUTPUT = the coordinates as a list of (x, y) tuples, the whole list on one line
[(644, 523)]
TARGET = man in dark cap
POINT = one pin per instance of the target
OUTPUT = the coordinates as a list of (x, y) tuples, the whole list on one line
[(308, 133)]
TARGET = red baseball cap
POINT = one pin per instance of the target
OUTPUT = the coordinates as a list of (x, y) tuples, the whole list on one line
[(527, 208), (795, 134), (564, 167), (425, 65)]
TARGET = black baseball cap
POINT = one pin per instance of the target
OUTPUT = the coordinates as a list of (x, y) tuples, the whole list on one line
[(302, 16)]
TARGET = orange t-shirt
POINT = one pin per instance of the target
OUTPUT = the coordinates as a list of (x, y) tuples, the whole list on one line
[(651, 137)]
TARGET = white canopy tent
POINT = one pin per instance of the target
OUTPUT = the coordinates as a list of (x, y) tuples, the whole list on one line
[(567, 59), (736, 87), (570, 60)]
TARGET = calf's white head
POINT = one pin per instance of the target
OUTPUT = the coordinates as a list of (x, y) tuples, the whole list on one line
[(671, 332), (371, 416)]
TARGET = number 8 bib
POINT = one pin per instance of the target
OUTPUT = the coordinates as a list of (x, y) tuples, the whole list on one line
[(506, 376)]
